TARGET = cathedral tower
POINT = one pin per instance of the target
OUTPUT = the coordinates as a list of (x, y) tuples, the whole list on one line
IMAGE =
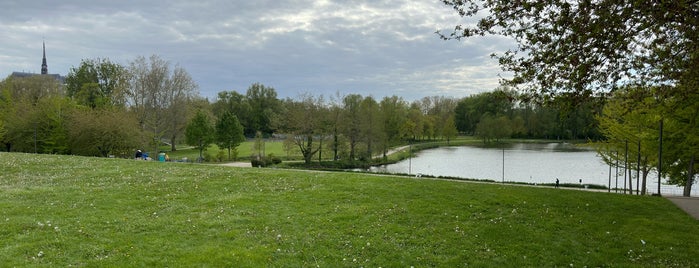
[(44, 66)]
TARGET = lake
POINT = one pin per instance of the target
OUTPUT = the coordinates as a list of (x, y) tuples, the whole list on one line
[(523, 162)]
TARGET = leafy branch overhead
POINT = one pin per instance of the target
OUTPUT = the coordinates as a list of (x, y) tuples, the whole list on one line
[(587, 46)]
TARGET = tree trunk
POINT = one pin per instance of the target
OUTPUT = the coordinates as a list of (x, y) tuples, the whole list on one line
[(690, 177), (335, 145), (320, 150), (201, 150), (352, 145), (638, 168), (172, 143), (643, 185), (308, 151)]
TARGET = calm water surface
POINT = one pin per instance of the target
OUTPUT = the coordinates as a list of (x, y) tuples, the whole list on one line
[(525, 162)]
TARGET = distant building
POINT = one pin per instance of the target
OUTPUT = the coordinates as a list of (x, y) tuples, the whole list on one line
[(44, 70)]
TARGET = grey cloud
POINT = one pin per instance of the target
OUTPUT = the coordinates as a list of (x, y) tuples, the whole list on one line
[(366, 47)]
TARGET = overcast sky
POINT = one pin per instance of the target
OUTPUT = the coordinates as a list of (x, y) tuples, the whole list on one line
[(368, 47)]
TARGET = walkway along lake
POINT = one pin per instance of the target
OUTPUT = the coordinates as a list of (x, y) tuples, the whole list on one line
[(523, 162)]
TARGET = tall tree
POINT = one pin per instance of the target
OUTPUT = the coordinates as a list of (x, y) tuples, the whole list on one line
[(334, 120), (103, 132), (305, 124), (493, 128), (469, 111), (235, 103), (438, 110), (160, 98), (449, 131), (5, 108), (681, 138), (265, 109), (34, 112), (413, 127), (351, 122), (97, 83), (584, 46), (200, 132), (180, 92), (229, 132), (628, 122), (371, 125), (394, 111)]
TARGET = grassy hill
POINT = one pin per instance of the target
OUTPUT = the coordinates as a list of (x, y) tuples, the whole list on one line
[(75, 211)]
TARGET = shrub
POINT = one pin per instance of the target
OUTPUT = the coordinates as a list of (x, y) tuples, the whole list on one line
[(266, 161), (221, 156)]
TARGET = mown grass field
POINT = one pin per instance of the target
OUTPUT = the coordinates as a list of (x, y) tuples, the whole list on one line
[(75, 211), (276, 148), (245, 151)]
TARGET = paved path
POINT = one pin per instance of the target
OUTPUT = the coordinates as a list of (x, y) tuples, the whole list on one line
[(688, 204), (238, 164)]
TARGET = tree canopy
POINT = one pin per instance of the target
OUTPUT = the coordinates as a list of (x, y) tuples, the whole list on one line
[(587, 46), (97, 83), (200, 132), (229, 132)]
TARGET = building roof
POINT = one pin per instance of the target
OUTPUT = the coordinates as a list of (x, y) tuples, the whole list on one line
[(58, 77), (44, 70)]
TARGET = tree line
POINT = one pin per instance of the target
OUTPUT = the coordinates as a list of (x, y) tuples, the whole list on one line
[(103, 108), (506, 113), (652, 128), (107, 109)]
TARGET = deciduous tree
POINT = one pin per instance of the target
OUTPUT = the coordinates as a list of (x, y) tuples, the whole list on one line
[(103, 132), (587, 46), (394, 110), (160, 98), (305, 124), (351, 121), (265, 109), (200, 132), (229, 132), (371, 125), (98, 83), (628, 122)]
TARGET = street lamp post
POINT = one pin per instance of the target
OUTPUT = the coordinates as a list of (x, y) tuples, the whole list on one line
[(660, 155), (503, 164), (410, 159)]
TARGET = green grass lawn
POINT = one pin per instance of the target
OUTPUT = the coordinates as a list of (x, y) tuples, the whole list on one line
[(245, 150), (276, 147), (76, 211)]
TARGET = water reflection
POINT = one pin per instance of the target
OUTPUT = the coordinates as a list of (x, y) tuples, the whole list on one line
[(523, 162)]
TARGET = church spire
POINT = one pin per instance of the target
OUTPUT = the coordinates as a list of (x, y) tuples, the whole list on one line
[(44, 66)]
